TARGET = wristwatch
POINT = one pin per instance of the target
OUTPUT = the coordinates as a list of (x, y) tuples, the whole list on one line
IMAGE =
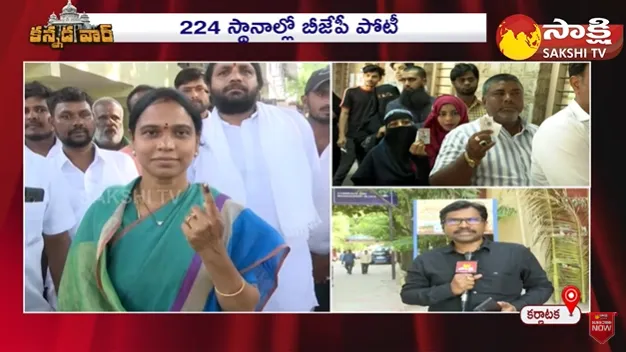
[(471, 162)]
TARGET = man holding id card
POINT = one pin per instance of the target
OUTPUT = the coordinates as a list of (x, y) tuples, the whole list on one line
[(493, 150)]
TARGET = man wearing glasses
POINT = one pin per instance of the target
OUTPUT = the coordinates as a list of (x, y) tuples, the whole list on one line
[(502, 270)]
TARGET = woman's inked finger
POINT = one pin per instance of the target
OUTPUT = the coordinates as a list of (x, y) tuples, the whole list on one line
[(209, 202)]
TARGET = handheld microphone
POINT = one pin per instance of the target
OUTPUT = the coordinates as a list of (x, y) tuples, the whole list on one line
[(466, 267)]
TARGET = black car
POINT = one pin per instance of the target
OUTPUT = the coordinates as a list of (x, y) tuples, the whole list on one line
[(381, 255)]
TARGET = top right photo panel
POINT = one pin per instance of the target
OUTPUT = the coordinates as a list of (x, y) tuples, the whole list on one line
[(449, 124)]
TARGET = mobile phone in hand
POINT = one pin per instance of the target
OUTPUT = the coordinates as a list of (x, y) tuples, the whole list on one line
[(33, 195), (488, 305)]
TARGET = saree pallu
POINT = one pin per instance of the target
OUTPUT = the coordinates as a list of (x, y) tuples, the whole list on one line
[(120, 263)]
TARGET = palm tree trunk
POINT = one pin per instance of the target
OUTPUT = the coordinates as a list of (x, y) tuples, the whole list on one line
[(552, 214), (583, 283), (555, 265), (581, 264), (520, 215)]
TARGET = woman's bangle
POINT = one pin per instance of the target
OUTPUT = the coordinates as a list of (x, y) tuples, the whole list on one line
[(243, 285)]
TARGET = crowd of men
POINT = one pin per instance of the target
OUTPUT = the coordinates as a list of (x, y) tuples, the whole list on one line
[(75, 148), (400, 135)]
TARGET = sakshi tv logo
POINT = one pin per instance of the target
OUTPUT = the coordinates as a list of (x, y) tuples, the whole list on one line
[(519, 37)]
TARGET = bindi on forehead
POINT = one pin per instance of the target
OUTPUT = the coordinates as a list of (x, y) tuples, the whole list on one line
[(164, 126), (240, 66)]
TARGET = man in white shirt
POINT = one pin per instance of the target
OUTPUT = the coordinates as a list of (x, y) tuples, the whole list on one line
[(561, 152), (264, 157), (47, 219), (39, 138), (316, 101), (87, 169), (38, 130)]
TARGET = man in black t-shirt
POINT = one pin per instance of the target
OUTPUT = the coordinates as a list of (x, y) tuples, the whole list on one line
[(359, 107)]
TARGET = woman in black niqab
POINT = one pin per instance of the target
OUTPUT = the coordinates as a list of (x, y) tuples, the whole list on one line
[(390, 163)]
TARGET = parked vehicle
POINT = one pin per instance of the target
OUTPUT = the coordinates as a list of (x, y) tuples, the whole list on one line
[(381, 255)]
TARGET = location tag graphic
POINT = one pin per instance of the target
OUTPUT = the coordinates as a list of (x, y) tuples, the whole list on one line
[(571, 297)]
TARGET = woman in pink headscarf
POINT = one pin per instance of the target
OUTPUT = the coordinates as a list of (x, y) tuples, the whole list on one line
[(448, 112)]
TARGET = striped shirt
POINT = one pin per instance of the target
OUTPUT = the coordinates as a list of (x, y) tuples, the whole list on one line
[(507, 163)]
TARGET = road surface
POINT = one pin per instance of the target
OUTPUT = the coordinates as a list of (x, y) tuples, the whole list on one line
[(374, 292)]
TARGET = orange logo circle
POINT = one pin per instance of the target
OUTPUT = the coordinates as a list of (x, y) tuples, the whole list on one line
[(518, 37)]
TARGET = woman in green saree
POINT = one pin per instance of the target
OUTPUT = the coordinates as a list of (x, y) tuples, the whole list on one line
[(161, 244)]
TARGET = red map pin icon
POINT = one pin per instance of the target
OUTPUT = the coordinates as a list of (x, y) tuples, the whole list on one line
[(571, 297)]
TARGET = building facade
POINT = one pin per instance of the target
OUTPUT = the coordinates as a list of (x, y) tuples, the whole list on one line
[(117, 79), (70, 16), (546, 85)]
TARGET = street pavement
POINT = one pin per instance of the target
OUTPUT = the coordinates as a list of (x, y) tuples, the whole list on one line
[(373, 292)]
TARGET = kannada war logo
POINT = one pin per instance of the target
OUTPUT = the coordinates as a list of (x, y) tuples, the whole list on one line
[(70, 27), (519, 37)]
